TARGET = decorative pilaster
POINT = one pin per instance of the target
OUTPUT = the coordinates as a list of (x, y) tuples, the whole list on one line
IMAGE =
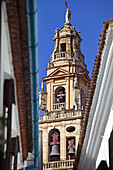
[(63, 143), (45, 144)]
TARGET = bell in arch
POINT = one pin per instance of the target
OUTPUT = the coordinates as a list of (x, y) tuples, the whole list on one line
[(71, 151), (55, 150)]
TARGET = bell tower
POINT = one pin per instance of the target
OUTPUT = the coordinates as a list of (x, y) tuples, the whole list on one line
[(63, 100)]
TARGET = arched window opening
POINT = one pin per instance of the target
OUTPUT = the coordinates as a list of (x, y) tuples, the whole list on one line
[(70, 145), (60, 95), (63, 47), (59, 99), (54, 145)]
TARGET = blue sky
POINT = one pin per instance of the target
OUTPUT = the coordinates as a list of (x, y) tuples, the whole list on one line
[(86, 15)]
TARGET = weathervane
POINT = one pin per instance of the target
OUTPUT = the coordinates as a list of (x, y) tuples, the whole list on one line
[(66, 4)]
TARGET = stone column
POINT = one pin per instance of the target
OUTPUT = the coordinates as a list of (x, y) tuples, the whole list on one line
[(57, 45), (67, 93), (71, 93), (45, 144), (77, 134), (51, 95), (76, 143), (68, 46), (62, 143), (48, 96), (74, 45)]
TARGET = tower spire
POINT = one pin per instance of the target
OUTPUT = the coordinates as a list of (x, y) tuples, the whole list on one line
[(63, 98)]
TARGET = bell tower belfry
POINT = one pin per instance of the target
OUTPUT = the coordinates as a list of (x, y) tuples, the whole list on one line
[(63, 100)]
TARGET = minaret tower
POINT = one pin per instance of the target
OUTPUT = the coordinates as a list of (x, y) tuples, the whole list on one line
[(63, 100)]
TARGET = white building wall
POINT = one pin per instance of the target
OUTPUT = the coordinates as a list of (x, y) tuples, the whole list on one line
[(99, 127), (104, 148)]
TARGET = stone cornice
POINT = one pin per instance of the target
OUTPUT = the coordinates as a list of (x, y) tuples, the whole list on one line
[(58, 76), (59, 119)]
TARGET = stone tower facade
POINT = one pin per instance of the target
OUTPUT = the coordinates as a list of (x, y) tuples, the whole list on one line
[(63, 100)]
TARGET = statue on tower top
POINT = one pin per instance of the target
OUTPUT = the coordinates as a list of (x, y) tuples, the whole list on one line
[(68, 14)]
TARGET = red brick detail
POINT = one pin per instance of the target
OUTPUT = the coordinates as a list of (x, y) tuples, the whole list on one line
[(14, 27)]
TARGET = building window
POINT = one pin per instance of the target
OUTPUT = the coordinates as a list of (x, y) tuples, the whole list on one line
[(54, 145), (111, 150), (63, 47), (103, 166), (70, 129), (70, 145), (60, 95), (9, 99)]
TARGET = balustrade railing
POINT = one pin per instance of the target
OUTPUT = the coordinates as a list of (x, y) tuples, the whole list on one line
[(60, 55), (60, 114), (58, 106), (59, 165)]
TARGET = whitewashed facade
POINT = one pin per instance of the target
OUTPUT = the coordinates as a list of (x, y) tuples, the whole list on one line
[(96, 146)]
